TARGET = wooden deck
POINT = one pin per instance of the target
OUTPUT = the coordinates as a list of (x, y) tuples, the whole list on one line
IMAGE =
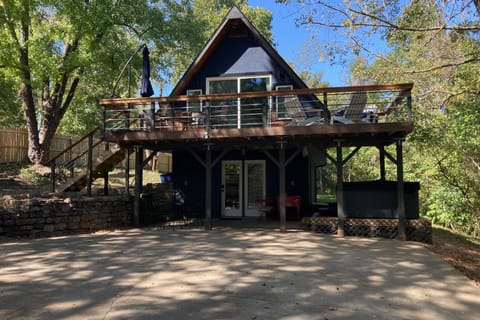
[(165, 123), (361, 134), (372, 116)]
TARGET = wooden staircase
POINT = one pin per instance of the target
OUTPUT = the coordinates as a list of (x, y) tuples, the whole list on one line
[(84, 161), (80, 181)]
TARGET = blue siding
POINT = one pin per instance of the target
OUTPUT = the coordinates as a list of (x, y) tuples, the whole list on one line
[(239, 56), (189, 177)]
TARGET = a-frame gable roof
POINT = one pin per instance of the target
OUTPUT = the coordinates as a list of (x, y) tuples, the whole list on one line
[(234, 19)]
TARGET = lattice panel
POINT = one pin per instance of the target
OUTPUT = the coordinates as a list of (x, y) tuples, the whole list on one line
[(417, 229)]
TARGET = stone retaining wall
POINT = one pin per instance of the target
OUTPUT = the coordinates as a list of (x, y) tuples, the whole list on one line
[(46, 216)]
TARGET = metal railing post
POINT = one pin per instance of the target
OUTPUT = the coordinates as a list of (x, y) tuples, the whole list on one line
[(152, 113), (326, 113), (52, 176), (127, 117), (90, 165), (207, 119), (104, 121), (127, 170)]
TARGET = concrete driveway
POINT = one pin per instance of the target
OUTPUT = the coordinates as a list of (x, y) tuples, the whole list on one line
[(228, 274)]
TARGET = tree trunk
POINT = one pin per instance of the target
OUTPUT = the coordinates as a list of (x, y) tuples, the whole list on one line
[(54, 106), (34, 149)]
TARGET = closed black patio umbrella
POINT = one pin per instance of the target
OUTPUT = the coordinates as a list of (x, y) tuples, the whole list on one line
[(146, 90)]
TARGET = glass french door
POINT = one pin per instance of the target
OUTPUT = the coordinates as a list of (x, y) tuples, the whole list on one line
[(243, 183), (232, 189)]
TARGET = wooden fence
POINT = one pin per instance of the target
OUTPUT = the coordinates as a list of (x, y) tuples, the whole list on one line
[(162, 163), (14, 144), (14, 147)]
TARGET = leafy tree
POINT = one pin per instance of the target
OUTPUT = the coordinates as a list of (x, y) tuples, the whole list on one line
[(199, 20), (10, 111), (364, 22), (313, 80), (436, 45), (62, 54), (445, 155), (48, 48)]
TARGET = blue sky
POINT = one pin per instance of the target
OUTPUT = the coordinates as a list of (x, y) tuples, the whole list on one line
[(292, 40)]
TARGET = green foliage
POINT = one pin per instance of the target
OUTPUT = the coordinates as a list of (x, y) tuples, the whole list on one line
[(436, 45), (444, 153), (195, 24), (313, 80), (33, 176), (10, 109), (58, 58)]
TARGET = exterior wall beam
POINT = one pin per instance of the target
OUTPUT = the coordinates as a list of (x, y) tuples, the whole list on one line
[(90, 165), (402, 234), (208, 188), (105, 183), (282, 194), (208, 164), (138, 185), (127, 170), (382, 163), (340, 205)]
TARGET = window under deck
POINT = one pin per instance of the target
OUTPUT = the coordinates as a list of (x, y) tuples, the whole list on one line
[(357, 115)]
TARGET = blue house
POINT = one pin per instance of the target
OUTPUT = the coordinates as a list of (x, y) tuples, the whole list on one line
[(238, 59), (248, 137)]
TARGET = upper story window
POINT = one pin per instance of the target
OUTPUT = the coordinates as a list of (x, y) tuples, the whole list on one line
[(194, 106), (240, 113), (238, 84)]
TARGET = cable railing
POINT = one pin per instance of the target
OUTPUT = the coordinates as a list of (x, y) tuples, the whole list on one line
[(301, 107)]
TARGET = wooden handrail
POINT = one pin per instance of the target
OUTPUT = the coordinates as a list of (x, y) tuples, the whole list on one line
[(85, 136), (84, 152), (393, 105), (118, 102)]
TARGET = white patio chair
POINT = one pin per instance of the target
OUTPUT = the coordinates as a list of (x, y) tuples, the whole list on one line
[(353, 112)]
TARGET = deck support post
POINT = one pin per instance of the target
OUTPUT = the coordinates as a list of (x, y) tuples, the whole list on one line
[(52, 176), (127, 170), (105, 183), (208, 164), (208, 188), (138, 185), (382, 163), (400, 193), (90, 165), (282, 194), (340, 205)]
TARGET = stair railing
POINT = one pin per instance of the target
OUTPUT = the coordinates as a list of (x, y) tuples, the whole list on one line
[(79, 158)]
